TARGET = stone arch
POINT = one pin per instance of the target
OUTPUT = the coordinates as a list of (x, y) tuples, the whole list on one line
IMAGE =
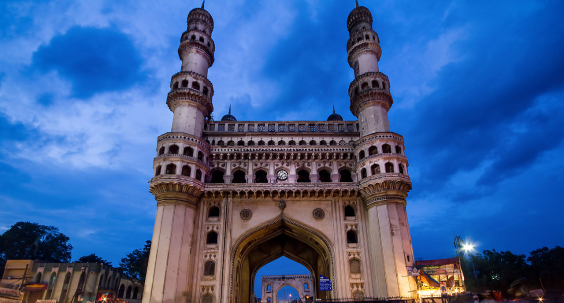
[(319, 258), (275, 292)]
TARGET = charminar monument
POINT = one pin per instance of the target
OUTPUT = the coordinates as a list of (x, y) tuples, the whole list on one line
[(233, 195)]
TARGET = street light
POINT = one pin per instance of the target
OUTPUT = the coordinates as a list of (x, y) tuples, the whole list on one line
[(469, 248)]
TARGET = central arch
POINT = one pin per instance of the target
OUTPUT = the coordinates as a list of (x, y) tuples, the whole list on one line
[(281, 236)]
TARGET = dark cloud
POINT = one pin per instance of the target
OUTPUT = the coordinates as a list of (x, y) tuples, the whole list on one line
[(94, 60), (477, 111)]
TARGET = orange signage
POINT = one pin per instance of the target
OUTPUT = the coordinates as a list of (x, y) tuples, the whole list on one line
[(35, 287)]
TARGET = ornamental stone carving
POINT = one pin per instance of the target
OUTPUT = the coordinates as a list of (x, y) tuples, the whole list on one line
[(318, 214), (246, 214)]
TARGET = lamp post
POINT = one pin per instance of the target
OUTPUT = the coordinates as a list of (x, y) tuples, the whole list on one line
[(468, 248)]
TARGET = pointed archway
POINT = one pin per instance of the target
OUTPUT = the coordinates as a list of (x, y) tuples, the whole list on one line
[(281, 236)]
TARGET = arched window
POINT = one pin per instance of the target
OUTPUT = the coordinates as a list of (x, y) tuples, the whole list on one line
[(67, 278), (38, 278), (231, 143), (193, 37), (240, 143), (211, 238), (302, 142), (398, 149), (389, 167), (239, 177), (170, 169), (372, 150), (269, 300), (375, 84), (345, 176), (324, 176), (261, 142), (161, 150), (188, 151), (217, 177), (375, 169), (199, 175), (271, 142), (333, 142), (268, 288), (306, 286), (158, 171), (220, 143), (356, 91), (251, 143), (354, 266), (384, 85), (401, 169), (135, 292), (352, 237), (175, 85), (359, 39), (128, 293), (323, 142), (386, 149), (184, 83), (54, 278), (201, 39), (121, 291), (281, 142), (207, 298), (312, 142), (292, 142), (361, 155), (186, 170), (303, 176), (173, 149), (196, 85), (260, 176), (349, 211), (200, 156), (213, 212), (205, 90), (209, 268), (364, 85), (363, 173)]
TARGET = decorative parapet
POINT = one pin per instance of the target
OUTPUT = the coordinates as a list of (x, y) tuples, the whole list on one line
[(185, 137), (186, 94), (176, 188), (376, 136), (282, 127), (283, 191)]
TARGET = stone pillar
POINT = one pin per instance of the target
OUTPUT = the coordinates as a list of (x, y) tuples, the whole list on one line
[(390, 242), (167, 273)]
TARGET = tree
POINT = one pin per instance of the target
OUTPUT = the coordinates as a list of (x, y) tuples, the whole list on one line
[(92, 258), (135, 264), (26, 240)]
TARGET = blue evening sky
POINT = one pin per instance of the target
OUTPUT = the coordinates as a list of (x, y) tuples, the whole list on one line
[(477, 87)]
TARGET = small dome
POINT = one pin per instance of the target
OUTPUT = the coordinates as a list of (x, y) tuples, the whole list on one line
[(334, 116), (357, 15), (229, 116)]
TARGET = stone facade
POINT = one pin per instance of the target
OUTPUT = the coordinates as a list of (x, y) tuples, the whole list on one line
[(63, 281), (233, 195), (272, 284)]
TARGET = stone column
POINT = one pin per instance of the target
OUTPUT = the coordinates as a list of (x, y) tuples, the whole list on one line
[(389, 244), (167, 274)]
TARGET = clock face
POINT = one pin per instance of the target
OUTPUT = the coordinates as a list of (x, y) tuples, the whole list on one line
[(282, 175)]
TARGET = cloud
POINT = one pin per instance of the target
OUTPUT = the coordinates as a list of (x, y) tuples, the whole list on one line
[(94, 60)]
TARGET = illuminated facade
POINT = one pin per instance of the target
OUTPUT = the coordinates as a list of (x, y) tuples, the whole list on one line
[(233, 195)]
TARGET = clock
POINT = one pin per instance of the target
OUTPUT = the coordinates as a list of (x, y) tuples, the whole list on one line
[(282, 175)]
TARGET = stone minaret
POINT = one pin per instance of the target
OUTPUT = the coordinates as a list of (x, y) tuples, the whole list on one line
[(181, 166), (381, 163)]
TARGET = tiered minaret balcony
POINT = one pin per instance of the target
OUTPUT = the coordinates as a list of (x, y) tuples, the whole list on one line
[(372, 88)]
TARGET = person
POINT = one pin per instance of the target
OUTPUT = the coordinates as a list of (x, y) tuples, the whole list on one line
[(476, 299)]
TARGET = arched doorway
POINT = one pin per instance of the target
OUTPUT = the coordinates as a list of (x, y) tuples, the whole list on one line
[(281, 236)]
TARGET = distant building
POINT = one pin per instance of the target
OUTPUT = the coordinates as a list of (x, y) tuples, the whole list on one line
[(66, 282)]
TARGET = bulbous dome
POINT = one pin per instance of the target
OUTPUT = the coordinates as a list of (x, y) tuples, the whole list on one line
[(229, 116), (358, 15), (334, 116)]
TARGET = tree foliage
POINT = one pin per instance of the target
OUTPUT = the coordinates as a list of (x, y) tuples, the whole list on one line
[(92, 258), (497, 270), (135, 263), (25, 240)]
